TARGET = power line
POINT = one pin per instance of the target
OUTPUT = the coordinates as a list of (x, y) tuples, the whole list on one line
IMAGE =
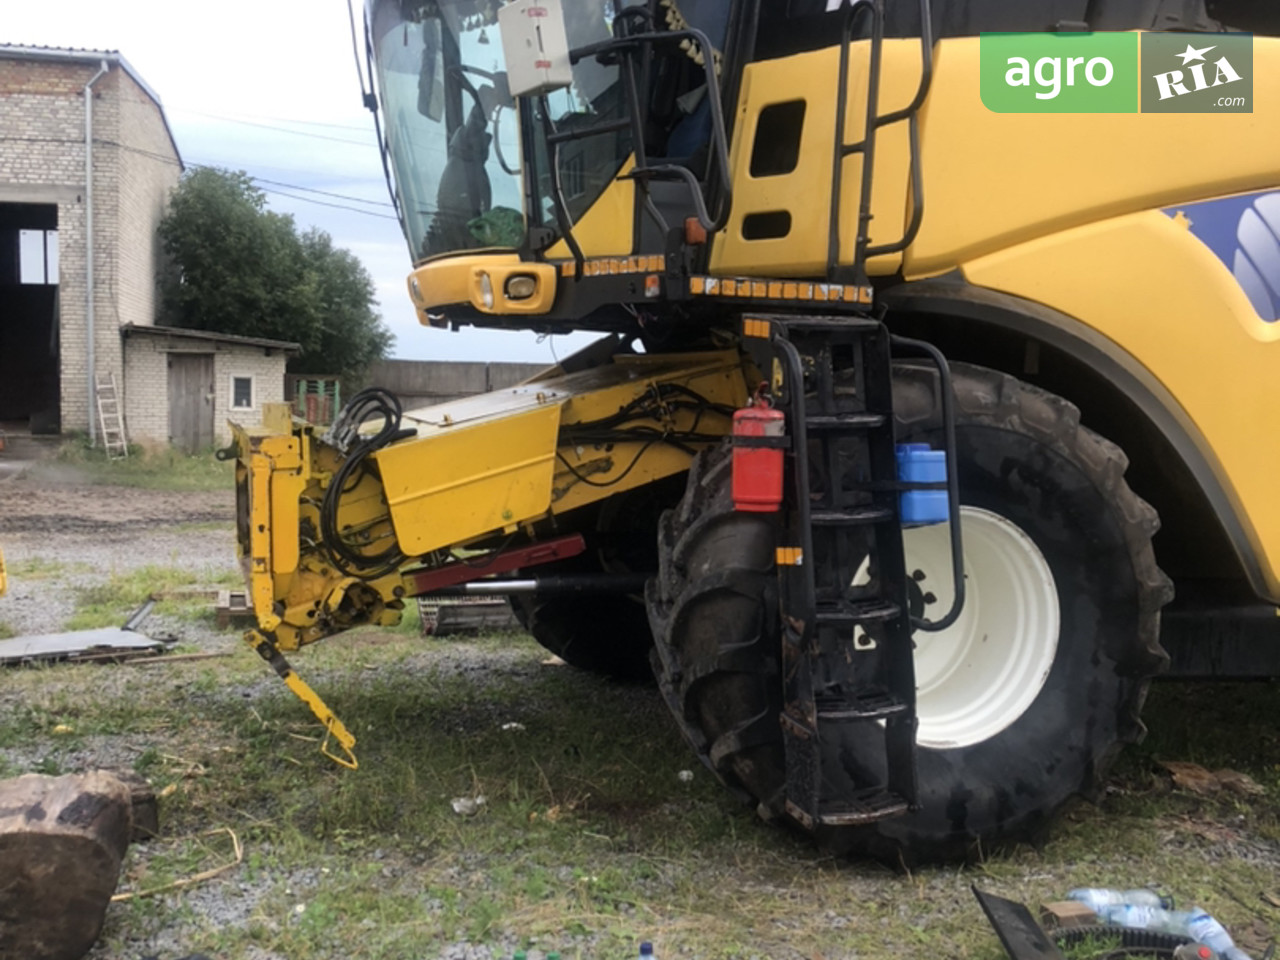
[(323, 193), (258, 180), (325, 203), (259, 117), (287, 171), (298, 133)]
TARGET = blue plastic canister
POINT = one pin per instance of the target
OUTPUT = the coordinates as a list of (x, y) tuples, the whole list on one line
[(919, 463)]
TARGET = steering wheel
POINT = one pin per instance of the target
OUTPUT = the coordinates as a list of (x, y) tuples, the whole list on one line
[(497, 140)]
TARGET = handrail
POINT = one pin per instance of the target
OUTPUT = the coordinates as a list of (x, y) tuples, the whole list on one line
[(863, 249), (953, 482), (626, 47), (912, 115)]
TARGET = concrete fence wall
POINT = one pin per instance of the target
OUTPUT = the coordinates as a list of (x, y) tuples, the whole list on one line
[(424, 382)]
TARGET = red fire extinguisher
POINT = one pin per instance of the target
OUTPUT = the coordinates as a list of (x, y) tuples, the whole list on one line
[(757, 455)]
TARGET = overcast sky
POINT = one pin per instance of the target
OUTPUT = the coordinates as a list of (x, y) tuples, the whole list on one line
[(270, 87)]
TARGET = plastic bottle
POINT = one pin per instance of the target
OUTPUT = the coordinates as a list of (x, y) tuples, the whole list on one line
[(646, 951), (1194, 923), (1098, 898), (1145, 917), (1202, 928)]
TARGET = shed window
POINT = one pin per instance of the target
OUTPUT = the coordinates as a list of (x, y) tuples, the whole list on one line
[(242, 393)]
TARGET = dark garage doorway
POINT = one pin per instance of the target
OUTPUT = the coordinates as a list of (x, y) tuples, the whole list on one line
[(29, 378)]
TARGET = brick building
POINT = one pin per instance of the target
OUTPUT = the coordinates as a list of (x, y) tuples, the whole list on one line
[(184, 385), (96, 171)]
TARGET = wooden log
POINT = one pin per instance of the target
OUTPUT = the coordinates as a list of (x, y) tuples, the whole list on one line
[(142, 799), (61, 843)]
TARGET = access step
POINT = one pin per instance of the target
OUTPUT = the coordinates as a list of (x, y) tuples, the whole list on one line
[(873, 703), (850, 516), (863, 611), (877, 805), (862, 808), (828, 324), (844, 421)]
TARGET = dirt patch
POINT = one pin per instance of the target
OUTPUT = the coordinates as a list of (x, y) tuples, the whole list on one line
[(35, 508), (62, 537)]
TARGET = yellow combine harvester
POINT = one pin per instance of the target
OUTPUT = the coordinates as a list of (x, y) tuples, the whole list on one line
[(873, 290)]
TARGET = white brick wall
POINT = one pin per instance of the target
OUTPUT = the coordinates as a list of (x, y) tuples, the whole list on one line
[(146, 390), (135, 169)]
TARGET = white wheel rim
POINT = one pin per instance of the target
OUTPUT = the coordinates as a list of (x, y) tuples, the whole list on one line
[(979, 675)]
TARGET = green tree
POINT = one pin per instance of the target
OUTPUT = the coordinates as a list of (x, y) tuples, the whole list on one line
[(242, 269)]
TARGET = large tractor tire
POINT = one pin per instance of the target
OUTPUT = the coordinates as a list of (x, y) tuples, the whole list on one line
[(1023, 703), (606, 634)]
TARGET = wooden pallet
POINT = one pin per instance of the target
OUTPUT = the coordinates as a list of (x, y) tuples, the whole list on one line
[(233, 609)]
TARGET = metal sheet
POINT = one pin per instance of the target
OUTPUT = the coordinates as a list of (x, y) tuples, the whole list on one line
[(60, 646), (1021, 936)]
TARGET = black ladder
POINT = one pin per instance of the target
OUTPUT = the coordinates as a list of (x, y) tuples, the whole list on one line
[(847, 647)]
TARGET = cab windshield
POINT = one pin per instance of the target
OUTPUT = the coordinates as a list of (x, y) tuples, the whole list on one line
[(453, 132)]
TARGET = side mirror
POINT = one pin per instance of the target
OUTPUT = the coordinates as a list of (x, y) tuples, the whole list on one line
[(431, 74)]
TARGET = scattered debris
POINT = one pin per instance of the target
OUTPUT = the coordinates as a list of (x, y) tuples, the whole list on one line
[(1066, 913), (1193, 777), (468, 806), (236, 859), (176, 658), (1241, 783), (685, 776), (513, 725)]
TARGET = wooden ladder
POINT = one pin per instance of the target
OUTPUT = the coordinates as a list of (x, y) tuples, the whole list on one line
[(110, 417)]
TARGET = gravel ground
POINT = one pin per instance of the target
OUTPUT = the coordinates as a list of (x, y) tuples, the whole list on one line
[(92, 531)]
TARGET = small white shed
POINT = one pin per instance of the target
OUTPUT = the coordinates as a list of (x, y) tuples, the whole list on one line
[(182, 386)]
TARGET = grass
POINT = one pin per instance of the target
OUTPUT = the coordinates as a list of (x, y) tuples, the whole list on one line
[(42, 568), (410, 624), (180, 593), (588, 841), (1092, 946), (163, 468)]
